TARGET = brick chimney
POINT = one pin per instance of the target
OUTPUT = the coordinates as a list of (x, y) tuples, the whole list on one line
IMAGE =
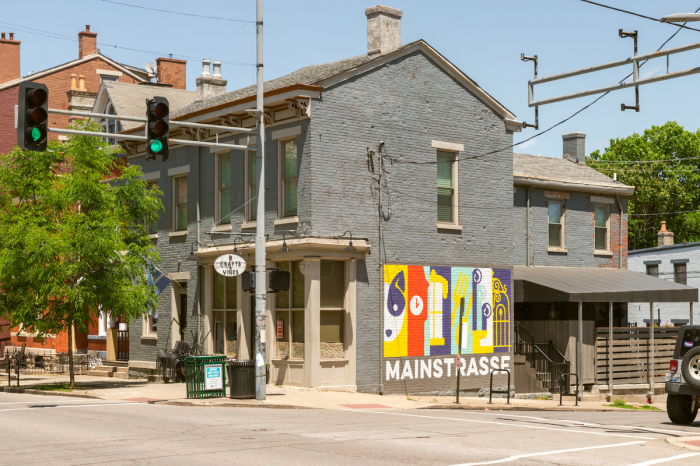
[(9, 58), (383, 30), (87, 42), (172, 71), (575, 147), (665, 236), (208, 85)]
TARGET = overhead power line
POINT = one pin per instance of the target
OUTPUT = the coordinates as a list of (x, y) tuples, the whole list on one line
[(637, 14), (178, 12), (664, 213)]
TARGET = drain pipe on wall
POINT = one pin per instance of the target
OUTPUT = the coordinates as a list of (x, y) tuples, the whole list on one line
[(619, 234), (527, 226)]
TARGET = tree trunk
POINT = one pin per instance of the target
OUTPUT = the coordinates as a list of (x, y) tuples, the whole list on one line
[(70, 356)]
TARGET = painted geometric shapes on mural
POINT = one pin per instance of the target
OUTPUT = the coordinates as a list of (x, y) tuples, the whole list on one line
[(422, 307)]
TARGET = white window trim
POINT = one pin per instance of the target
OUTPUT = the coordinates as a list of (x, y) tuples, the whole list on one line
[(562, 237), (280, 182), (147, 333), (454, 224), (217, 191), (174, 231), (344, 309), (247, 223), (607, 251)]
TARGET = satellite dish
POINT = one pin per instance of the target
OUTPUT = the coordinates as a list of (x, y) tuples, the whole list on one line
[(151, 67)]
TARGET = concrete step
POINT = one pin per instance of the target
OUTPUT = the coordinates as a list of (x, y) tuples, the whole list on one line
[(110, 368), (114, 375)]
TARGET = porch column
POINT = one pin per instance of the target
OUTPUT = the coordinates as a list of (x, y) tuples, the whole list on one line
[(651, 347), (312, 322), (579, 350), (610, 350)]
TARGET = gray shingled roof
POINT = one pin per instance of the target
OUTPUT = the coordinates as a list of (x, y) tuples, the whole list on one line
[(308, 75), (130, 99), (549, 168)]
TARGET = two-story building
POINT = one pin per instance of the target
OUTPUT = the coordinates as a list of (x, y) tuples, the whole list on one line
[(328, 126)]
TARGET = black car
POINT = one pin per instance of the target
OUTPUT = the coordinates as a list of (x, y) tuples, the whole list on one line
[(683, 382)]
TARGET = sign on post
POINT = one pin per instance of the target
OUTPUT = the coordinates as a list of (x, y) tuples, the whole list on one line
[(213, 377), (229, 265)]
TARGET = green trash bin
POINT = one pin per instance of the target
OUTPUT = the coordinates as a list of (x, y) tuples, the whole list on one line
[(205, 376)]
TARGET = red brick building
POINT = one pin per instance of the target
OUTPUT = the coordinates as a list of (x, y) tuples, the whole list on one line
[(72, 86)]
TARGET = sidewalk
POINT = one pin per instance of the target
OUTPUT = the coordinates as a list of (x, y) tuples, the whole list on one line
[(291, 397)]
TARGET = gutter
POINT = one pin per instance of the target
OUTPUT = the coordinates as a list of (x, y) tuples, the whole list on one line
[(621, 189)]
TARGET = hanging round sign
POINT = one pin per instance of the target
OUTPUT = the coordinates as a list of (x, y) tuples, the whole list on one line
[(229, 265)]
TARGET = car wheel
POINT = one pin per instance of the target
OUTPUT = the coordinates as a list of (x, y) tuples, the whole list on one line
[(680, 410), (690, 367)]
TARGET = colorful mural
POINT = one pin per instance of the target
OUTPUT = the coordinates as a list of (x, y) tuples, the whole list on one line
[(422, 306)]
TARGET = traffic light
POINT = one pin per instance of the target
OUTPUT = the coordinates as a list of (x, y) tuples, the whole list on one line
[(32, 116), (157, 128)]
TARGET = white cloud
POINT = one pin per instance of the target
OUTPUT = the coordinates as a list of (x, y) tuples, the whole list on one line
[(529, 143), (650, 72)]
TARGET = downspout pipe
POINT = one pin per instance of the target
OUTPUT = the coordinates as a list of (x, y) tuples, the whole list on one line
[(527, 226), (619, 234)]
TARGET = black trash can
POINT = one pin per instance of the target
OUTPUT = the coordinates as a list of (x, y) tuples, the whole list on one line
[(242, 379)]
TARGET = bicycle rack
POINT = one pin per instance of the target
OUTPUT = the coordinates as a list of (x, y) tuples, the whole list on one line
[(506, 391), (561, 387)]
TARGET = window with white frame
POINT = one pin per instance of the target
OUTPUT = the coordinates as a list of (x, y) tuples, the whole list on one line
[(180, 203), (332, 309), (446, 188), (225, 313), (251, 186), (556, 224), (289, 314), (602, 228), (150, 325), (223, 181), (288, 177)]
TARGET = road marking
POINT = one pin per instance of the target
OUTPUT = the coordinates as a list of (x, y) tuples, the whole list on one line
[(665, 460), (69, 406), (529, 455), (675, 431), (502, 424), (43, 401)]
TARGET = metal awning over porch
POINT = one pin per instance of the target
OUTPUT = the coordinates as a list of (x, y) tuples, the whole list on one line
[(590, 284)]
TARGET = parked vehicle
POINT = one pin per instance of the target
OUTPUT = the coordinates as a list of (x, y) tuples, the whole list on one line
[(683, 382)]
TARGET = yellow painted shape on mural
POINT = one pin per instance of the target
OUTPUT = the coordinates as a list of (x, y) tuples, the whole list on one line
[(477, 335), (399, 346)]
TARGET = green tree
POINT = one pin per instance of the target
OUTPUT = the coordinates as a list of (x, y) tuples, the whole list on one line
[(664, 166), (73, 244)]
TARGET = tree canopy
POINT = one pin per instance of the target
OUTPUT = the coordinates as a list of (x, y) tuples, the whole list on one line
[(663, 164), (74, 244)]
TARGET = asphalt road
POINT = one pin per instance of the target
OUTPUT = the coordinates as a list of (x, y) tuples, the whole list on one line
[(61, 430)]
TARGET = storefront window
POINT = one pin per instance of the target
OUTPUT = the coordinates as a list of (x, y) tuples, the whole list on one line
[(332, 309), (225, 325), (290, 314)]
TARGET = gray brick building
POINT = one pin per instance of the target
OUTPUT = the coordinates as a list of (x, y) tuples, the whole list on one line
[(446, 223)]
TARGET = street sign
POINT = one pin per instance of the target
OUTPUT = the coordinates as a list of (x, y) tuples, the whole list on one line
[(213, 377), (229, 265)]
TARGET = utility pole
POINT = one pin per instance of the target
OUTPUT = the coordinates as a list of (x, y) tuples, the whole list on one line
[(260, 262)]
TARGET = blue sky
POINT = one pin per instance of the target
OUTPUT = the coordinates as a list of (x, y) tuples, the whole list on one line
[(483, 38)]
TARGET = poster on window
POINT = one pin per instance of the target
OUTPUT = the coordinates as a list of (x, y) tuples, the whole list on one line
[(280, 329)]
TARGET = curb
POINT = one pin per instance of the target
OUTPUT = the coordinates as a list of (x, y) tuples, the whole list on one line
[(30, 391), (229, 405), (500, 407), (680, 442)]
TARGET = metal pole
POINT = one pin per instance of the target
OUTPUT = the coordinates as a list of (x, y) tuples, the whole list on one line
[(610, 350), (260, 261), (459, 346), (380, 281), (579, 347), (691, 313), (651, 347)]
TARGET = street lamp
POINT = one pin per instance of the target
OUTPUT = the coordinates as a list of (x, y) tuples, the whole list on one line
[(680, 18)]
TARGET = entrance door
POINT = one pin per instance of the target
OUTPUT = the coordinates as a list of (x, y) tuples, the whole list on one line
[(123, 340), (182, 317)]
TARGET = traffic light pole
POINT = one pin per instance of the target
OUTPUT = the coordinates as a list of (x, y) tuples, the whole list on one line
[(260, 260)]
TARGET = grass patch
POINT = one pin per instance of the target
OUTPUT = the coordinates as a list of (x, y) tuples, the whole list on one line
[(620, 403), (55, 387)]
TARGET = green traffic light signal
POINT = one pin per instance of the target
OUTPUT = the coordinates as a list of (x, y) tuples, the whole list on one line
[(156, 146), (36, 134)]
